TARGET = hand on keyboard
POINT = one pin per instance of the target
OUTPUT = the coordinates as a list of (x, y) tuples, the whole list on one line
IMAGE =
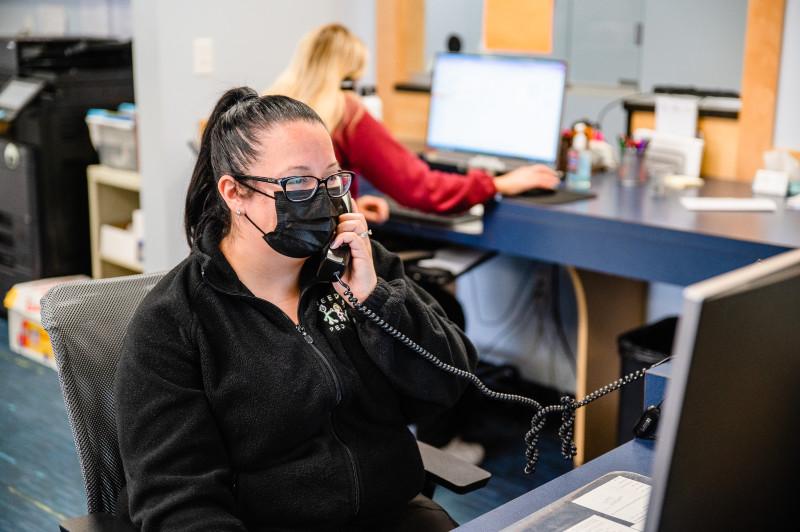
[(525, 178)]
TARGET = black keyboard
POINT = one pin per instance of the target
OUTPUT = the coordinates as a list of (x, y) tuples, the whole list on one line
[(399, 212), (445, 167)]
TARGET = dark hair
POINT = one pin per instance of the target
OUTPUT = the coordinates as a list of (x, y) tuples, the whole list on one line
[(228, 146)]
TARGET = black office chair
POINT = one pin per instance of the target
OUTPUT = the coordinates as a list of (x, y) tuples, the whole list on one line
[(86, 321)]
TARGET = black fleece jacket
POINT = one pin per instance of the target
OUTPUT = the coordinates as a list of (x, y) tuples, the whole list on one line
[(230, 417)]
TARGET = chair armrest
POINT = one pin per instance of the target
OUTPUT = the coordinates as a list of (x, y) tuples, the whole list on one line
[(95, 523), (450, 472)]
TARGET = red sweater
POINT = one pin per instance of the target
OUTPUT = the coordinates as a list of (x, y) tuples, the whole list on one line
[(366, 147)]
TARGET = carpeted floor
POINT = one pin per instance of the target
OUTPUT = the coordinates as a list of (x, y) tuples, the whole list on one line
[(40, 480)]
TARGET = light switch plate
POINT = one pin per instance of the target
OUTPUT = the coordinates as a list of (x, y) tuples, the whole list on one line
[(203, 52)]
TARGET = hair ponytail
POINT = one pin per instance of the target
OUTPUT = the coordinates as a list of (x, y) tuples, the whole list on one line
[(203, 204), (227, 146)]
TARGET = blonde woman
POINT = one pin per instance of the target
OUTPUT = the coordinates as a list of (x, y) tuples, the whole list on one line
[(332, 54)]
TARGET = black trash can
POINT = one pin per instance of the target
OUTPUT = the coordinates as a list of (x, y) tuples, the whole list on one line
[(640, 348)]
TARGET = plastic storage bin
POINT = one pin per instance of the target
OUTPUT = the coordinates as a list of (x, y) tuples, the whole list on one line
[(26, 336), (113, 136), (640, 348)]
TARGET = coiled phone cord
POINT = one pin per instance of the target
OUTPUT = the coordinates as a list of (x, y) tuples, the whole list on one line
[(567, 407)]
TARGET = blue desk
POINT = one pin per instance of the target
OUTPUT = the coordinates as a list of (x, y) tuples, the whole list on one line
[(629, 233), (635, 456), (613, 245)]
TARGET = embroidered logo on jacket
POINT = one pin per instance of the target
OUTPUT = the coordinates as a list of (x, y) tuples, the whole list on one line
[(334, 312)]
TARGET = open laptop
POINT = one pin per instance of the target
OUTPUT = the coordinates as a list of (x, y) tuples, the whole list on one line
[(495, 112)]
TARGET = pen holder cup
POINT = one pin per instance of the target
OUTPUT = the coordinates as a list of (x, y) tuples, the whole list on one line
[(632, 169)]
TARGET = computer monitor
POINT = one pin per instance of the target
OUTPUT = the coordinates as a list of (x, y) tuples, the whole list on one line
[(497, 105), (727, 452)]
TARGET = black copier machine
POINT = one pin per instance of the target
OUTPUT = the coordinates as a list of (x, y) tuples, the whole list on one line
[(46, 87)]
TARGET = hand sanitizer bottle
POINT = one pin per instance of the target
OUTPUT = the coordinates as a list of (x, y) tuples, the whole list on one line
[(579, 161)]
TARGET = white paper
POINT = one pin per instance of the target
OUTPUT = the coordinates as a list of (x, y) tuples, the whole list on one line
[(596, 523), (475, 227), (665, 147), (729, 204), (676, 115), (621, 498)]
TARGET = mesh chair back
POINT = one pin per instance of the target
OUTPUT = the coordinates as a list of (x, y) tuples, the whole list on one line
[(86, 321)]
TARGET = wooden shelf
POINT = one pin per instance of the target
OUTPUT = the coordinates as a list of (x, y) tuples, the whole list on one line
[(114, 177), (113, 196)]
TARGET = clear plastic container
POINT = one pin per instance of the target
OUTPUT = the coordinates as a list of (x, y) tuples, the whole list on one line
[(113, 135), (632, 170)]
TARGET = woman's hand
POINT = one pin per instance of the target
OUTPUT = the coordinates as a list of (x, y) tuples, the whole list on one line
[(360, 274), (374, 209), (526, 178)]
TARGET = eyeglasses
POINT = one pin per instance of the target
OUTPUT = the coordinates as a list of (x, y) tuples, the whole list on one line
[(303, 187)]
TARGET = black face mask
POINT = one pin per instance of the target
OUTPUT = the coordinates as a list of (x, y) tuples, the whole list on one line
[(304, 228)]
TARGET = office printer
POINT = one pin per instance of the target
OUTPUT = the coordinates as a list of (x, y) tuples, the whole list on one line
[(46, 87)]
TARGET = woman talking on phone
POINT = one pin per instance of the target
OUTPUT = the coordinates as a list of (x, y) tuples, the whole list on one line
[(250, 395)]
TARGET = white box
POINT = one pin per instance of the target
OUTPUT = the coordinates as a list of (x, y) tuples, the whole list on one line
[(26, 336), (120, 246)]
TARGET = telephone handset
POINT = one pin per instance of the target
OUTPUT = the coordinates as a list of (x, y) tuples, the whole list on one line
[(335, 261), (333, 265)]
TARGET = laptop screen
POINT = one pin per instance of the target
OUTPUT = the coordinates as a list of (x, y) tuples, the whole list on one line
[(497, 105)]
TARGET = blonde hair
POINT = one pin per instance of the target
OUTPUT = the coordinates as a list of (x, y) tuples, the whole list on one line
[(324, 58)]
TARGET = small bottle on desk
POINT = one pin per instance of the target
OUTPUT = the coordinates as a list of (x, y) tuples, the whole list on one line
[(579, 161)]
